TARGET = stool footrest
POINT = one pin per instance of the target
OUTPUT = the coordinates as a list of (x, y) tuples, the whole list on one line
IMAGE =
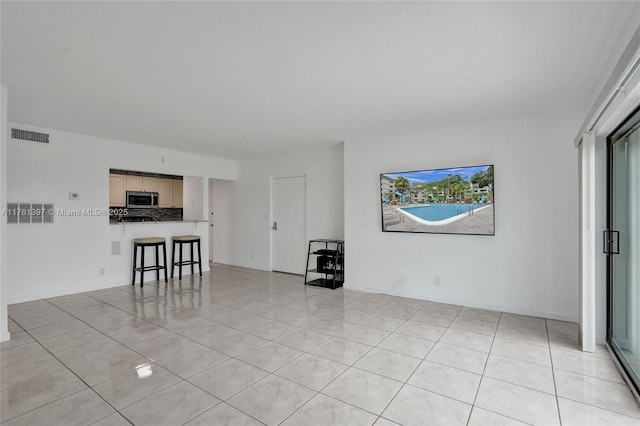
[(150, 268)]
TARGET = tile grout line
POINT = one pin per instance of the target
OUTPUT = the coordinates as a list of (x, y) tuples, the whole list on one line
[(335, 335), (250, 281), (268, 372), (299, 356), (334, 379), (349, 366), (74, 373), (404, 321), (553, 373), (484, 368), (414, 370), (353, 365), (124, 345), (153, 362), (482, 376), (78, 377), (103, 302)]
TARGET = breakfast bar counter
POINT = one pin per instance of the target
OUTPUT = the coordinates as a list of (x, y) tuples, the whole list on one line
[(122, 234)]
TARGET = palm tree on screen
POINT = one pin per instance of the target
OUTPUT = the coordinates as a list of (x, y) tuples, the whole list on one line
[(401, 184)]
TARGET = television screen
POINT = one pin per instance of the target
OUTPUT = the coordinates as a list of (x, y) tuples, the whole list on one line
[(458, 200)]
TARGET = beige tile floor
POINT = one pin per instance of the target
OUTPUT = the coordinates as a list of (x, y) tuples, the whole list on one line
[(245, 347)]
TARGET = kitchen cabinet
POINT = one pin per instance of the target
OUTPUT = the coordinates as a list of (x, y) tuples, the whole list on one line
[(176, 193), (149, 184), (117, 190), (134, 183), (165, 192), (170, 193), (142, 183)]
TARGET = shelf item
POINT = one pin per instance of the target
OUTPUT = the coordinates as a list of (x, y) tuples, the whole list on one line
[(325, 264), (323, 282)]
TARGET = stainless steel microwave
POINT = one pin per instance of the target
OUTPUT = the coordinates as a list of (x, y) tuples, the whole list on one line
[(142, 200)]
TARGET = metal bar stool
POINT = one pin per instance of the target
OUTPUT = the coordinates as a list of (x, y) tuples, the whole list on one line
[(143, 243), (180, 240)]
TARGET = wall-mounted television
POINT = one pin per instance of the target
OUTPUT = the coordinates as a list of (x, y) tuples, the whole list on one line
[(458, 200)]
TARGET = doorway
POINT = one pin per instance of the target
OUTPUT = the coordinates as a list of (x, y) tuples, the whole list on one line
[(288, 228), (622, 246)]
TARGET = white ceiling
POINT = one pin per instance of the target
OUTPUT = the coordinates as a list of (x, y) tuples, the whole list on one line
[(244, 79)]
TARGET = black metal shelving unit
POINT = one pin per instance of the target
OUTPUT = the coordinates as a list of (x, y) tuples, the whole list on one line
[(325, 264)]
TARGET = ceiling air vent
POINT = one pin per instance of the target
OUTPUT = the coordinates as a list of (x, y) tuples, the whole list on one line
[(28, 135)]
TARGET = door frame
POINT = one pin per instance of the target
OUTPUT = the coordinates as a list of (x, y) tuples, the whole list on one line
[(622, 364), (272, 180), (210, 228)]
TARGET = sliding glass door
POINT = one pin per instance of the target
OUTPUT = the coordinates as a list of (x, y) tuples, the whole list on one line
[(622, 244)]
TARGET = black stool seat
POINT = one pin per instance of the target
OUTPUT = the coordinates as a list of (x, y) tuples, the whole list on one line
[(142, 243), (180, 240)]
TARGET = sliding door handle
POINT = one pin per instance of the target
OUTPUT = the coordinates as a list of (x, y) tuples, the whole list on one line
[(611, 240)]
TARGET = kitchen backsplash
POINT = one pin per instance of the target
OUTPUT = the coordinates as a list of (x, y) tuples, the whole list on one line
[(157, 215)]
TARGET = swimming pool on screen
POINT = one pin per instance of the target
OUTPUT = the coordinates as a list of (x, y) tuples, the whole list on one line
[(441, 214)]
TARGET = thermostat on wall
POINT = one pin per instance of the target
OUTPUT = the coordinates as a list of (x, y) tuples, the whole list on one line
[(74, 196)]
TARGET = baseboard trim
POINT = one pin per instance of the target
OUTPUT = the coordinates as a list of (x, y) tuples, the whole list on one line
[(511, 310), (73, 290), (240, 265), (4, 336)]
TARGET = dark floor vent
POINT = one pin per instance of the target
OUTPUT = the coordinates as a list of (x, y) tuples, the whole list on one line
[(28, 135)]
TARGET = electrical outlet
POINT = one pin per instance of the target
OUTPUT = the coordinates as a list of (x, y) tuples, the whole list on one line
[(436, 281)]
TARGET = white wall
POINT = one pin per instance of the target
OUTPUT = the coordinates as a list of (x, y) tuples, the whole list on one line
[(4, 330), (244, 206), (221, 194), (192, 198), (66, 257), (530, 266)]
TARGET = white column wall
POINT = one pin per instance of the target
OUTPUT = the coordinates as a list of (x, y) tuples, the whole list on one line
[(4, 330)]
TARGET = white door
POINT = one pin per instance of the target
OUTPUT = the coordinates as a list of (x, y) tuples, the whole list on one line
[(289, 250)]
